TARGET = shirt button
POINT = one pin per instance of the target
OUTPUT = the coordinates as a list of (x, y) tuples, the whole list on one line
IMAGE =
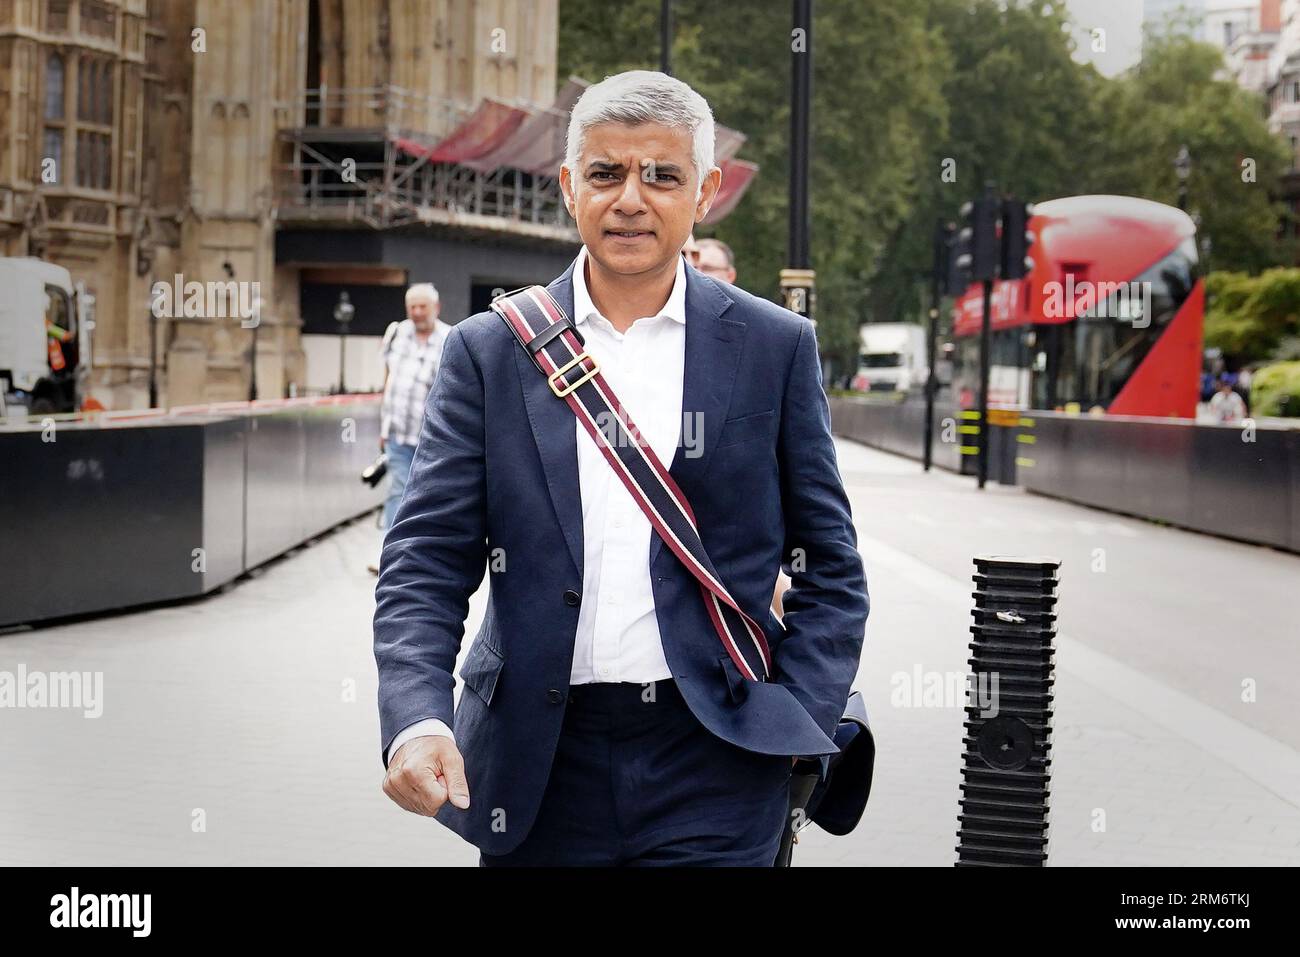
[(604, 672), (555, 696), (571, 597)]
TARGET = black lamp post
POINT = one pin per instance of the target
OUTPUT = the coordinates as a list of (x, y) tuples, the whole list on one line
[(1183, 168), (798, 279), (666, 37), (343, 313), (252, 360)]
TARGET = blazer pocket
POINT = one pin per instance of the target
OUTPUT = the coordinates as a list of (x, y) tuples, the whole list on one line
[(759, 425), (482, 669)]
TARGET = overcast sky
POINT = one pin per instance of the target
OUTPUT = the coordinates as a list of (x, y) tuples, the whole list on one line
[(1122, 21)]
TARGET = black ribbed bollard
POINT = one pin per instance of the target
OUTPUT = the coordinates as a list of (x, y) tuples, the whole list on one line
[(1006, 767)]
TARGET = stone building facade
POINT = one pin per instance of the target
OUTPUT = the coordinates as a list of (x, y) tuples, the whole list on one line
[(141, 140)]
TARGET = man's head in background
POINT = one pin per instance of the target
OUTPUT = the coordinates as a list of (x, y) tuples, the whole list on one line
[(638, 172), (422, 305), (717, 260), (691, 251)]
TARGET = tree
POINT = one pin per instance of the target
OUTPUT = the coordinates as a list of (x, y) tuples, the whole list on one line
[(1252, 317), (878, 71), (1021, 116), (1176, 97)]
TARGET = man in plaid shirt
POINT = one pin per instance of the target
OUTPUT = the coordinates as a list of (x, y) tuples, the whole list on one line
[(412, 354)]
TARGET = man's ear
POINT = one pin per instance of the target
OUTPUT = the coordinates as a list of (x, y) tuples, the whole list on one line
[(566, 188), (708, 192)]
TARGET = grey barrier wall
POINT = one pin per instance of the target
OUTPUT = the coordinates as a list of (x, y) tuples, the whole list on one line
[(102, 516), (1237, 482), (1241, 483), (895, 427)]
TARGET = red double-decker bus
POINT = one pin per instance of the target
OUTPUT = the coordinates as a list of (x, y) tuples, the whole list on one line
[(1110, 317)]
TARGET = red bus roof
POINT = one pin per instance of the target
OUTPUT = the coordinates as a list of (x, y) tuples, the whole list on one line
[(1092, 238)]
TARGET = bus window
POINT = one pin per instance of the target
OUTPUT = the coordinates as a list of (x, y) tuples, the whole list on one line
[(1113, 337)]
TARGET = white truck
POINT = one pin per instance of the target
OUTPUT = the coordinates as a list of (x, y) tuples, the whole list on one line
[(45, 324), (891, 358)]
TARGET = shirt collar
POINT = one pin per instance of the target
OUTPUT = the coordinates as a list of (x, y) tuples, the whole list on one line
[(583, 307)]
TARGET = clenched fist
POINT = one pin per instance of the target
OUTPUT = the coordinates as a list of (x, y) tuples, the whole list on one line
[(424, 773)]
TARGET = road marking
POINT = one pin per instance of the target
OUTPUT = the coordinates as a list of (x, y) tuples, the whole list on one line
[(1265, 760)]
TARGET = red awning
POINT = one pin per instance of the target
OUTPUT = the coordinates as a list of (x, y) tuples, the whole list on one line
[(736, 177), (497, 135), (482, 132), (537, 144), (726, 143)]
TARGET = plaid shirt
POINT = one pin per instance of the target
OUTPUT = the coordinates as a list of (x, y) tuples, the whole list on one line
[(412, 367)]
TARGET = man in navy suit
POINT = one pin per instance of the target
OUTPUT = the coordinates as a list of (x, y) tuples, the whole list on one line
[(602, 722)]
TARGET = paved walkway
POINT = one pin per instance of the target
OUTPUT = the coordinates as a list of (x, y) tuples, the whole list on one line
[(242, 728)]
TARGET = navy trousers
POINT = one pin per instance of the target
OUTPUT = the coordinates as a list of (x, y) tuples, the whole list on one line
[(637, 780)]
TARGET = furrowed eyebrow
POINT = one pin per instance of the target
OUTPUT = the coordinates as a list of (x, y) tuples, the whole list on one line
[(603, 166)]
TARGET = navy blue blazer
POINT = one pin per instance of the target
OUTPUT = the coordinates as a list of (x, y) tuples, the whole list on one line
[(496, 467)]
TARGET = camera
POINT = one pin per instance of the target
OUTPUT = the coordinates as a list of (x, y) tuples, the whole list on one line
[(375, 471)]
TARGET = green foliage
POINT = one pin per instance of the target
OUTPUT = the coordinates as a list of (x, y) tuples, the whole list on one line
[(990, 88), (1249, 317), (1275, 390), (1174, 97)]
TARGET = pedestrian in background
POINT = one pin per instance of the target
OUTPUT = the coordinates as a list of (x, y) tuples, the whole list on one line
[(412, 354), (691, 251), (1227, 406), (717, 261)]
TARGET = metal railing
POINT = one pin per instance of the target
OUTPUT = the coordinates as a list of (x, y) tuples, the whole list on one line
[(388, 107), (399, 189), (402, 190)]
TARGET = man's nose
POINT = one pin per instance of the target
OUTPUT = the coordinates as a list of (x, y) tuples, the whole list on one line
[(630, 199)]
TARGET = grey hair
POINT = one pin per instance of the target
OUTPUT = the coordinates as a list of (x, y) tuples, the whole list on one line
[(425, 289), (643, 96)]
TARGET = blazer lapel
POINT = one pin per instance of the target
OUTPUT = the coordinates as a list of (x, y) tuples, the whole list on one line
[(555, 432), (713, 346)]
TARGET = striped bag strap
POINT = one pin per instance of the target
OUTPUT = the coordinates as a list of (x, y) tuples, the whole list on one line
[(557, 350)]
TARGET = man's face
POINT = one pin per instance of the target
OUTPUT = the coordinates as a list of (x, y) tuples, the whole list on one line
[(632, 194), (421, 312), (713, 263)]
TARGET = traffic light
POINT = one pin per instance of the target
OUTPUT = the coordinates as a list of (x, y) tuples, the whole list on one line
[(942, 264), (957, 275), (978, 239), (1016, 239)]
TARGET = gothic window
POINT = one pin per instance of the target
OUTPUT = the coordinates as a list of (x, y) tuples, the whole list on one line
[(94, 122), (54, 87), (56, 15), (98, 19), (55, 112)]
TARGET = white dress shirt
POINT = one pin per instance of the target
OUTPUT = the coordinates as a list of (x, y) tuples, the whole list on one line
[(617, 637)]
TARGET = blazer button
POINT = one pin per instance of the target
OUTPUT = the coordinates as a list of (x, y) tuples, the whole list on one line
[(571, 597), (555, 696)]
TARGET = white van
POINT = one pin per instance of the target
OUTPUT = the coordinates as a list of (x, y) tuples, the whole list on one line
[(891, 358), (44, 341)]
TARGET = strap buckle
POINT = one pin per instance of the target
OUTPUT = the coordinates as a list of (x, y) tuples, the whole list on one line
[(558, 374)]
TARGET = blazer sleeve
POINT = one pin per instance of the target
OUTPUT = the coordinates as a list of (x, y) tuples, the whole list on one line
[(435, 554), (827, 604)]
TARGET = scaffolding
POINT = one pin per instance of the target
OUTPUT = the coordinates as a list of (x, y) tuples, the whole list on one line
[(384, 158)]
